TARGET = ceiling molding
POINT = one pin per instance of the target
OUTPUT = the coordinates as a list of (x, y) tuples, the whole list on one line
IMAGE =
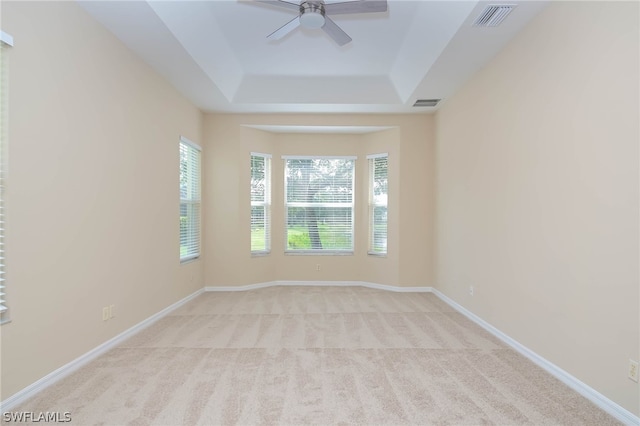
[(216, 53)]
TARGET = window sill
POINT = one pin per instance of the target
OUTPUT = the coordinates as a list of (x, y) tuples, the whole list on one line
[(374, 254), (189, 260), (317, 253)]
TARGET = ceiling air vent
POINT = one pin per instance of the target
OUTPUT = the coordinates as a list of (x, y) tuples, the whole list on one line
[(493, 15), (426, 102)]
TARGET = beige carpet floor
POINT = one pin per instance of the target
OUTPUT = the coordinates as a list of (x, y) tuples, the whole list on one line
[(315, 355)]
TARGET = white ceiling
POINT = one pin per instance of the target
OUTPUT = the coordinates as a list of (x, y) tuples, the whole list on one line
[(217, 54)]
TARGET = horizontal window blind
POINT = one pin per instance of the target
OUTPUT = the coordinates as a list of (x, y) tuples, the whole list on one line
[(190, 202), (5, 41), (260, 203), (319, 202), (378, 187)]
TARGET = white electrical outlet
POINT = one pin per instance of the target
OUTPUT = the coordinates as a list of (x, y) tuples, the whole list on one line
[(471, 290), (105, 313), (633, 370), (112, 311), (318, 267)]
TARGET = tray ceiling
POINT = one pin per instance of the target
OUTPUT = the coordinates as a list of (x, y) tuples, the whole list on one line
[(217, 54)]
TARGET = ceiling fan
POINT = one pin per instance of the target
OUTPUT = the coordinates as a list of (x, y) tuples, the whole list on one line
[(314, 14)]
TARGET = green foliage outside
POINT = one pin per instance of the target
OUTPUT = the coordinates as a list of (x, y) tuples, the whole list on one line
[(183, 233), (257, 239), (298, 238), (380, 238)]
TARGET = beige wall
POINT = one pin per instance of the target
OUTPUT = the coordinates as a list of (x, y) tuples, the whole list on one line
[(92, 196), (410, 145), (537, 193), (536, 183)]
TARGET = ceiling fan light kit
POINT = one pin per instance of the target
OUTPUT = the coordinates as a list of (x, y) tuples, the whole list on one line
[(314, 14)]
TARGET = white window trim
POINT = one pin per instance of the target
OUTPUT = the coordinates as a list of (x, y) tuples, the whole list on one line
[(190, 143), (7, 41), (372, 203), (198, 202), (6, 38), (373, 156), (266, 204), (323, 252)]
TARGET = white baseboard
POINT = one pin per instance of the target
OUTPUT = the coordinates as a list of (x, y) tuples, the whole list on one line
[(591, 394), (323, 284), (583, 389), (74, 365), (242, 287), (620, 413)]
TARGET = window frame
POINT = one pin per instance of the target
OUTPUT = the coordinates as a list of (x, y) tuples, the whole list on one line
[(374, 203), (265, 204), (6, 41), (351, 205), (192, 203)]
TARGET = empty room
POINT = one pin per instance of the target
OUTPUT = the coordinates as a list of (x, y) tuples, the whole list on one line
[(320, 212)]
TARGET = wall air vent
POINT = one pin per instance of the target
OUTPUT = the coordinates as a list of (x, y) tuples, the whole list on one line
[(426, 102), (493, 15)]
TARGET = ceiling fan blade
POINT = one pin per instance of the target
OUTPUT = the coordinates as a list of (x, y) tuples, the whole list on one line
[(360, 6), (285, 29), (335, 32), (282, 3)]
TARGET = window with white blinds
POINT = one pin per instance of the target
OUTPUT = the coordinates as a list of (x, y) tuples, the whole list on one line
[(319, 204), (260, 203), (378, 186), (5, 42), (190, 154)]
